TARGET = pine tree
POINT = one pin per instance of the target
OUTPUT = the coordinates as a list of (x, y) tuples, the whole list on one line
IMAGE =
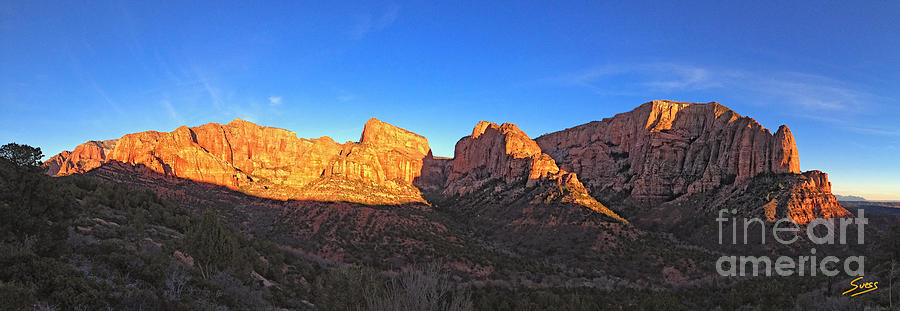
[(211, 244)]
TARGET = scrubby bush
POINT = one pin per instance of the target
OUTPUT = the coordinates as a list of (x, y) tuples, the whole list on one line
[(213, 246), (425, 288)]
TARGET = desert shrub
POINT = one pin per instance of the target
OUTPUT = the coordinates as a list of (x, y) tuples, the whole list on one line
[(176, 283), (345, 288), (212, 245), (32, 206), (51, 280), (425, 288)]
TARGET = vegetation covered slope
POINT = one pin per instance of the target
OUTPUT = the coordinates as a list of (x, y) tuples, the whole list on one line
[(81, 242)]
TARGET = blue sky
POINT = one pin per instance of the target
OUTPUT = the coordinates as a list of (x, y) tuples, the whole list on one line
[(72, 72)]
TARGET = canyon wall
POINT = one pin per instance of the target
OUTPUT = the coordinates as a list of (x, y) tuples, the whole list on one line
[(270, 162), (663, 150), (659, 152)]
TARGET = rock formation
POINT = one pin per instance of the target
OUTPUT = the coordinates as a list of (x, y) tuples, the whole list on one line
[(496, 151), (503, 153), (270, 162), (663, 150), (659, 152), (85, 157), (811, 197)]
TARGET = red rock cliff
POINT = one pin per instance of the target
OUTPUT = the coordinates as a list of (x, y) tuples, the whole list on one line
[(270, 162), (85, 157), (501, 151), (505, 153), (663, 150), (811, 198), (658, 152)]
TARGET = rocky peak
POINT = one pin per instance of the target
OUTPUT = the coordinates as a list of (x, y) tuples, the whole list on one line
[(483, 126), (514, 140), (270, 162), (811, 198), (383, 135), (785, 158), (505, 153), (238, 122), (85, 157), (663, 150), (661, 113), (502, 151)]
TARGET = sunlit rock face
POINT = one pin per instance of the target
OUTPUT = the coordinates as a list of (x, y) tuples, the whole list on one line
[(659, 152), (502, 162), (663, 150), (270, 162), (85, 157), (496, 151), (811, 198)]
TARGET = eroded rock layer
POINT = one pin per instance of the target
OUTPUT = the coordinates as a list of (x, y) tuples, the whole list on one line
[(659, 152), (270, 162), (501, 162), (85, 157), (811, 198), (663, 150)]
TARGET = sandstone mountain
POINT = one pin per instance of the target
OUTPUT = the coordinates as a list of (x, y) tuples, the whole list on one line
[(664, 150), (85, 157), (270, 162), (623, 205), (388, 165), (502, 162)]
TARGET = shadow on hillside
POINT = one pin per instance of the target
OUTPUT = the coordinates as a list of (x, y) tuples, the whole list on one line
[(496, 241), (384, 236)]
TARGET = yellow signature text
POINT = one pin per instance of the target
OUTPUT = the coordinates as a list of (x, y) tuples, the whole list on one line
[(862, 287)]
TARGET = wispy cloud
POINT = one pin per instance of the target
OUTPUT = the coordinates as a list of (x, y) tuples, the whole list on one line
[(109, 101), (223, 101), (173, 114), (863, 127), (275, 100), (805, 91), (88, 78), (344, 96), (679, 77), (213, 94), (369, 23), (838, 103), (874, 131)]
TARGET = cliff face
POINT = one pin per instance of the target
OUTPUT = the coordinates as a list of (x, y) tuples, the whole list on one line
[(811, 198), (663, 150), (85, 157), (502, 163), (496, 151), (659, 152), (270, 162)]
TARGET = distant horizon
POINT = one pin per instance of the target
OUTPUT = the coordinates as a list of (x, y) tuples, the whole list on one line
[(76, 71)]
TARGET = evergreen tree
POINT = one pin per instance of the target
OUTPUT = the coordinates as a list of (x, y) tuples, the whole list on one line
[(211, 244), (21, 155)]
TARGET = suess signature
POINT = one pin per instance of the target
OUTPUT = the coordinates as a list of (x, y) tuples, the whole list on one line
[(860, 287)]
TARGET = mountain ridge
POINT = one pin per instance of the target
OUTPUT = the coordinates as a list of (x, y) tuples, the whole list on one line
[(660, 151)]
